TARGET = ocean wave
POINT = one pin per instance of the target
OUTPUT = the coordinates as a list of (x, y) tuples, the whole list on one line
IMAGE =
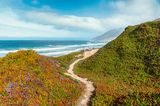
[(67, 47), (57, 50), (58, 53)]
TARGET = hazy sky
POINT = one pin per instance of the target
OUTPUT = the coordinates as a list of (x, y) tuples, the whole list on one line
[(71, 19)]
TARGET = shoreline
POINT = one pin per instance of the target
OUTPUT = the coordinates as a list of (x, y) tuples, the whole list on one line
[(58, 55), (54, 49)]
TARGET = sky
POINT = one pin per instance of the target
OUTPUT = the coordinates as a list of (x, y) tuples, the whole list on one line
[(71, 19)]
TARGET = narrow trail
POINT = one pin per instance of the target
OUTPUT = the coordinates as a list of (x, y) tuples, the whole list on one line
[(89, 88)]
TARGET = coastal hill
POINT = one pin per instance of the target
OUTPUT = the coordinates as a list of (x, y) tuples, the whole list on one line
[(27, 78), (109, 35), (126, 71)]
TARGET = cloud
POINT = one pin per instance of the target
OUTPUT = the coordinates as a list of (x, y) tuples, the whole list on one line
[(125, 12), (12, 25), (38, 23), (132, 12), (45, 22), (66, 21), (34, 1)]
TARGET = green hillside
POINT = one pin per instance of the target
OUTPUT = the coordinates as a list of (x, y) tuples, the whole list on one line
[(126, 71), (28, 79), (66, 60)]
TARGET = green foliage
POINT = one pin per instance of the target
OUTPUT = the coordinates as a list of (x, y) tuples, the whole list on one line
[(132, 61), (102, 100), (139, 99), (66, 60), (58, 92)]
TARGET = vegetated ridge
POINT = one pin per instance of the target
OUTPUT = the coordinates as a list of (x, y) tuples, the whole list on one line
[(27, 78), (126, 71)]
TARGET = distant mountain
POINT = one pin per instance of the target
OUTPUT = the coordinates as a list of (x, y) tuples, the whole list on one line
[(126, 71), (109, 35), (157, 19)]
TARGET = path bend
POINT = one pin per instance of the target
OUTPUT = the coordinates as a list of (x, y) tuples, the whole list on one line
[(89, 88)]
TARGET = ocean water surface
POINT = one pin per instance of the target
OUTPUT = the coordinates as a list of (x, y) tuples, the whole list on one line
[(47, 47)]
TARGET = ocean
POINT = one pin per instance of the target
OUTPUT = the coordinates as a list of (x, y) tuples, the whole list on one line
[(47, 47)]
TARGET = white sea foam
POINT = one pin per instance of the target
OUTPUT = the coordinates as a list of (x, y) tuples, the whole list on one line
[(60, 53), (52, 50), (66, 47)]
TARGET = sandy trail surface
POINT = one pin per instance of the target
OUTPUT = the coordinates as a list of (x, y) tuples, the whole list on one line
[(89, 88)]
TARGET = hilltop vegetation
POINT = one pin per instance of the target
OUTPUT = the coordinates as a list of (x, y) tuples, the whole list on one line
[(66, 60), (27, 78), (126, 71)]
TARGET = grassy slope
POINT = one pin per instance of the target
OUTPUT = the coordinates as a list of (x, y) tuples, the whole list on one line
[(27, 78), (66, 60), (126, 71)]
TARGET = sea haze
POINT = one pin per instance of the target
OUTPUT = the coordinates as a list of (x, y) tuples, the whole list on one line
[(46, 47)]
